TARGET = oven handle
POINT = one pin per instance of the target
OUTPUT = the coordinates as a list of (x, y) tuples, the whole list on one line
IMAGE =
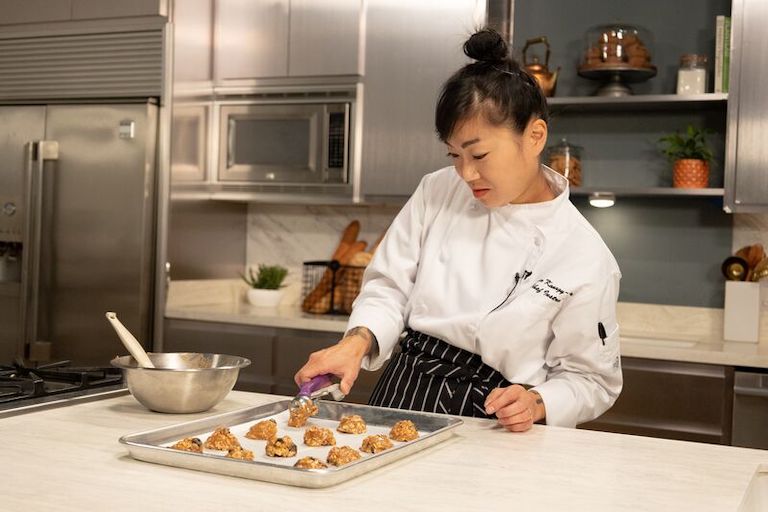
[(39, 151), (747, 391), (230, 142)]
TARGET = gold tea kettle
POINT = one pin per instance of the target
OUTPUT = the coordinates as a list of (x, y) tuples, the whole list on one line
[(546, 79)]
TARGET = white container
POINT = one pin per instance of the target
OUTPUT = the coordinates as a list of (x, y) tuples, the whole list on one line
[(264, 298), (742, 311), (692, 75)]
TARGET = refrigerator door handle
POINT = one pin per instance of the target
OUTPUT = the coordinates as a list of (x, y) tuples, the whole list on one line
[(36, 154)]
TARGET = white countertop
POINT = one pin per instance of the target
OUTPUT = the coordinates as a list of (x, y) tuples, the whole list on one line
[(69, 459), (671, 333), (290, 317)]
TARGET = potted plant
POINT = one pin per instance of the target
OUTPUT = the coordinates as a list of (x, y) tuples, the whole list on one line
[(266, 286), (691, 157)]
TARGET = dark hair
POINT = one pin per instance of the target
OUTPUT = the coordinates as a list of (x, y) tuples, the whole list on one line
[(494, 86)]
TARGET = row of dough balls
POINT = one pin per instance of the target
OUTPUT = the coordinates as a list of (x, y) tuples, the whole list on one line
[(223, 439)]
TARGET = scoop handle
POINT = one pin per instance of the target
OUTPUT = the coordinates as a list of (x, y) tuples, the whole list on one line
[(131, 343), (315, 383)]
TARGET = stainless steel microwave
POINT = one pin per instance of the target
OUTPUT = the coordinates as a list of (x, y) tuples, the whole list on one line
[(299, 143)]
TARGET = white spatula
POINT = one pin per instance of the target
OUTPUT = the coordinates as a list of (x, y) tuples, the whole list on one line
[(131, 343)]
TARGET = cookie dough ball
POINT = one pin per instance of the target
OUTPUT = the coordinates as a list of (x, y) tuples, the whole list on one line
[(263, 430), (340, 455), (240, 453), (310, 463), (189, 444), (300, 415), (375, 444), (352, 424), (281, 447), (222, 439), (404, 430), (319, 436)]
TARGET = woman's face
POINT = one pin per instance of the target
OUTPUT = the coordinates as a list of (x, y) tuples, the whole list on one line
[(500, 165)]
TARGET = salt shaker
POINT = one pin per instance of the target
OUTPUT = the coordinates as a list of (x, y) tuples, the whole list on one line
[(692, 75)]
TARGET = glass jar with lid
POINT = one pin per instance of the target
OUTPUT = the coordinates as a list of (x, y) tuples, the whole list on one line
[(565, 158), (692, 75)]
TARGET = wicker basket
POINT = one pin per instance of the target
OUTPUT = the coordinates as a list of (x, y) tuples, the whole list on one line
[(329, 287)]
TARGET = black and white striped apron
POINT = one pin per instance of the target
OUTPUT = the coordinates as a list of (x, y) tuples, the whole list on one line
[(433, 376)]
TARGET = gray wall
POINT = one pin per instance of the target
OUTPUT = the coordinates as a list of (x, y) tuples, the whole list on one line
[(669, 249), (677, 27)]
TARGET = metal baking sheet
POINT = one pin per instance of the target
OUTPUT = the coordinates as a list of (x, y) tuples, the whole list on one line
[(153, 445)]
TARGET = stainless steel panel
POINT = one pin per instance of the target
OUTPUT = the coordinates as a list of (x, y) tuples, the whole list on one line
[(87, 9), (18, 126), (411, 48), (189, 140), (207, 239), (325, 38), (747, 158), (750, 410), (120, 64), (193, 41), (97, 242), (251, 39), (151, 446)]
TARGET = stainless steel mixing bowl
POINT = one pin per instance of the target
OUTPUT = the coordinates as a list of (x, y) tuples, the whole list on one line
[(183, 382)]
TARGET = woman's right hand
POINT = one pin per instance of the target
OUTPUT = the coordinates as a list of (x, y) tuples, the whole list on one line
[(342, 359)]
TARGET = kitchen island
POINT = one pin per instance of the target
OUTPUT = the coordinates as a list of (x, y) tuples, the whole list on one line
[(69, 458)]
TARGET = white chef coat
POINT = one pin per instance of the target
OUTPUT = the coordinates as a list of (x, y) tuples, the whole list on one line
[(448, 267)]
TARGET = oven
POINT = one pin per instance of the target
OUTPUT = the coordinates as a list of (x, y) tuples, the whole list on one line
[(284, 142)]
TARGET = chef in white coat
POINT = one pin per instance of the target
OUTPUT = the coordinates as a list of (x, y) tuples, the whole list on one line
[(500, 295)]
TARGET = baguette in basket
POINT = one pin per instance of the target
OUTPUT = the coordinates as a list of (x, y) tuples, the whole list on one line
[(319, 299)]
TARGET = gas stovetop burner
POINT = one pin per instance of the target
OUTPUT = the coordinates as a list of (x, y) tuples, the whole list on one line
[(21, 385)]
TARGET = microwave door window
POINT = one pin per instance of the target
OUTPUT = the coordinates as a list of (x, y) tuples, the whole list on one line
[(273, 150)]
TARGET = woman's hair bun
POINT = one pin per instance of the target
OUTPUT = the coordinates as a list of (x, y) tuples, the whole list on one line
[(486, 45)]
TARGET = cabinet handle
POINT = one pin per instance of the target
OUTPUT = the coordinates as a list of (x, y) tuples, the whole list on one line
[(759, 392)]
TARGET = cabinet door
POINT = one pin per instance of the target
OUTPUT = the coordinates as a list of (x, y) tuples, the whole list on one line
[(192, 41), (325, 38), (251, 39), (189, 137), (746, 181), (31, 11), (411, 48), (255, 343), (672, 400), (293, 347)]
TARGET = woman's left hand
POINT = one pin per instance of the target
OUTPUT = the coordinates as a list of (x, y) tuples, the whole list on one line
[(516, 408)]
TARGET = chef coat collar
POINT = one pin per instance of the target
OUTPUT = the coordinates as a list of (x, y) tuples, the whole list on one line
[(542, 215)]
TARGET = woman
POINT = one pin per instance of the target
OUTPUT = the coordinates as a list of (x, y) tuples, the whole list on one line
[(506, 295)]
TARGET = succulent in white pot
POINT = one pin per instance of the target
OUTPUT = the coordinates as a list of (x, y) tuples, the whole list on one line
[(265, 285)]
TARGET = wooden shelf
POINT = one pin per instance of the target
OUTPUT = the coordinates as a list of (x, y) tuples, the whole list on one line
[(650, 191), (639, 102)]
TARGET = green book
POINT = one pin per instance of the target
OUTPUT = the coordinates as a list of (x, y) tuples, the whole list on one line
[(726, 52)]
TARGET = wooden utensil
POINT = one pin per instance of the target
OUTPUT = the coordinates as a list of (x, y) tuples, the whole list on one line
[(131, 343), (760, 271)]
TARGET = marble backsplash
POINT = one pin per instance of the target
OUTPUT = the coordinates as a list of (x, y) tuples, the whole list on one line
[(292, 234)]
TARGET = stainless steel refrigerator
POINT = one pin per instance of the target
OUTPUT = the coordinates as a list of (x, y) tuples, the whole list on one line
[(77, 196)]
